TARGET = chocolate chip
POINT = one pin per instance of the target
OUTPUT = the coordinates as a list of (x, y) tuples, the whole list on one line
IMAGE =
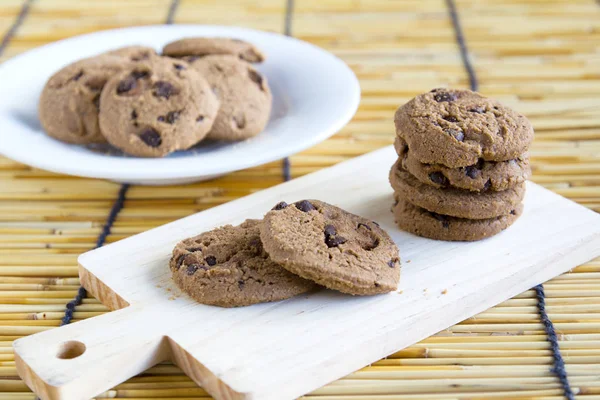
[(96, 101), (444, 96), (256, 78), (164, 89), (77, 76), (513, 212), (178, 67), (200, 118), (442, 218), (375, 223), (241, 284), (179, 261), (151, 137), (126, 85), (438, 178), (392, 262), (191, 269), (160, 118), (450, 118), (172, 116), (280, 206), (330, 230), (211, 260), (370, 246), (304, 205), (334, 241), (478, 110), (134, 114), (436, 90), (487, 185), (458, 135), (365, 225), (376, 284), (139, 74), (472, 172), (194, 249)]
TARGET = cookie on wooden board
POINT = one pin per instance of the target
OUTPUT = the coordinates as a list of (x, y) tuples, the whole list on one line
[(228, 267), (204, 46), (157, 106), (244, 95), (331, 247), (485, 175), (69, 104), (458, 127), (455, 202), (421, 222)]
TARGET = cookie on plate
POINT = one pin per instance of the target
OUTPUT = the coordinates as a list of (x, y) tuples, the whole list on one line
[(455, 202), (485, 175), (204, 46), (134, 53), (228, 267), (244, 95), (70, 101), (458, 127), (431, 225), (157, 106), (331, 247)]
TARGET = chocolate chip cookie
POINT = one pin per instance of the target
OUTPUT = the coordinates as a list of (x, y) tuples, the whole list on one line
[(203, 46), (458, 127), (485, 175), (69, 103), (244, 95), (134, 53), (424, 223), (157, 106), (228, 267), (455, 202), (331, 247)]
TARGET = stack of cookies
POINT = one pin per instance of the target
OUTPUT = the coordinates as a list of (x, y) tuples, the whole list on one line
[(294, 249), (462, 165), (150, 105)]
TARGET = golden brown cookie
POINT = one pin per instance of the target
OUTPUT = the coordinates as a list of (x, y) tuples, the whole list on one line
[(157, 106), (134, 53), (204, 46), (455, 202), (228, 267), (69, 103), (431, 225), (458, 127), (331, 247), (244, 95), (485, 175)]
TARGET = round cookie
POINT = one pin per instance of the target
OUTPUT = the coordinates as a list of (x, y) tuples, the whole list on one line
[(331, 247), (228, 267), (492, 175), (134, 53), (69, 104), (156, 107), (244, 94), (421, 222), (458, 127), (204, 46), (455, 202)]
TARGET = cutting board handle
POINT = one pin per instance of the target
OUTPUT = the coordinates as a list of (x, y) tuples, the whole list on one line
[(84, 359)]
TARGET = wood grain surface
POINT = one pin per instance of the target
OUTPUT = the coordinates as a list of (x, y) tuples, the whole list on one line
[(540, 57)]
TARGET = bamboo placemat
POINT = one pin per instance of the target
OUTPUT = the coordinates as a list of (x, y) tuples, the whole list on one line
[(541, 57)]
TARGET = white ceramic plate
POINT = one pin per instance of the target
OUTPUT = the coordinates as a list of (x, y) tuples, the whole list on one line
[(314, 95)]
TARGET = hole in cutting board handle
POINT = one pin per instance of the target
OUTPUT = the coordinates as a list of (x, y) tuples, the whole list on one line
[(70, 350)]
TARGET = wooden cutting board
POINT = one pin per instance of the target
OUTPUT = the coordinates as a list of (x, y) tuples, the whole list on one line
[(282, 350)]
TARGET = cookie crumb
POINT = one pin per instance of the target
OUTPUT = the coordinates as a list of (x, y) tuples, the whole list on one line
[(445, 291)]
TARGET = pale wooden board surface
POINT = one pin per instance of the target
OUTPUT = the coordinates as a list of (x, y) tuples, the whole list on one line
[(283, 350)]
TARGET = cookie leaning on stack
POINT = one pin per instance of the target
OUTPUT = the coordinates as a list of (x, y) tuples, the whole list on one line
[(462, 165), (149, 105)]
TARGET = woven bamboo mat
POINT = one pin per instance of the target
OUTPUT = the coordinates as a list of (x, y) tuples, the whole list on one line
[(541, 57)]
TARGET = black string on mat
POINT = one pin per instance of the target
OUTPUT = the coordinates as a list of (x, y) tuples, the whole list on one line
[(287, 29), (559, 364)]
